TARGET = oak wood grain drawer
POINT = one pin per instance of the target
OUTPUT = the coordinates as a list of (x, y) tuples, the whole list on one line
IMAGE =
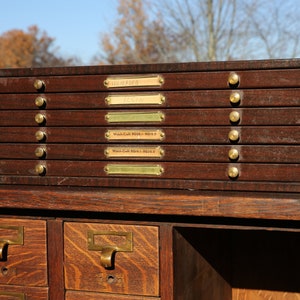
[(102, 296), (23, 293), (23, 252), (89, 249)]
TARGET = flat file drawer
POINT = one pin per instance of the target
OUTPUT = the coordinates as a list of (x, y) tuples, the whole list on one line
[(111, 258)]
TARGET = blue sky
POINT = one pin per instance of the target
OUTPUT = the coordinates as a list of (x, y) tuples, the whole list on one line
[(75, 24)]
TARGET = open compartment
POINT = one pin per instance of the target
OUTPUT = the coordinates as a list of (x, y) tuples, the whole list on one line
[(236, 264)]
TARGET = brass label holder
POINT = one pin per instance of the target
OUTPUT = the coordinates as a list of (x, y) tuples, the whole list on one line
[(136, 99), (19, 240), (133, 81), (134, 152), (20, 296), (108, 251), (133, 169), (134, 117), (134, 135)]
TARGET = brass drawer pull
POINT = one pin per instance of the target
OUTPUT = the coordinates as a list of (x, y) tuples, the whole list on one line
[(39, 84), (40, 118), (233, 79), (20, 296), (5, 242), (40, 101), (40, 135), (108, 251)]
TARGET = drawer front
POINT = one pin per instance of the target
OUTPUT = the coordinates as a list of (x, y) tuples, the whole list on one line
[(23, 257), (163, 81), (23, 293), (100, 296), (111, 258)]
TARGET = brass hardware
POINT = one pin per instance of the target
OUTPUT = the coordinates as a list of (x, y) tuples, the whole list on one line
[(40, 118), (133, 81), (134, 135), (233, 135), (233, 154), (233, 79), (234, 116), (39, 84), (40, 101), (107, 251), (40, 135), (20, 296), (235, 97), (40, 169), (40, 152), (19, 240), (233, 172), (132, 169), (136, 99), (147, 151), (134, 117)]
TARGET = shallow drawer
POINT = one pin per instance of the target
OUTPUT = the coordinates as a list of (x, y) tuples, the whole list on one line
[(23, 258), (23, 293), (111, 258), (102, 296)]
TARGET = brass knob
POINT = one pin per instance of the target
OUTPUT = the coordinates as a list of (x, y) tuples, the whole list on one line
[(234, 116), (39, 84), (233, 135), (40, 135), (40, 152), (233, 154), (233, 79), (40, 118), (233, 172), (40, 169), (235, 98), (40, 101)]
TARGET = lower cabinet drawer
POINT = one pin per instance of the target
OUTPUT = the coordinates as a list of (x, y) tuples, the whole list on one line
[(23, 293), (101, 296), (23, 255), (110, 258)]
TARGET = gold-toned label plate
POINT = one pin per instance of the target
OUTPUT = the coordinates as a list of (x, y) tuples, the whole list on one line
[(134, 135), (131, 152), (125, 247), (136, 99), (20, 296), (19, 232), (134, 169), (133, 81), (134, 117)]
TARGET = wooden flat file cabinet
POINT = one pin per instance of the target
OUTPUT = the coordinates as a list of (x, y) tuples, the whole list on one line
[(144, 182)]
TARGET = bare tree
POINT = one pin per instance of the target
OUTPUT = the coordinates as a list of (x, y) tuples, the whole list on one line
[(274, 30), (234, 29), (210, 29), (202, 30)]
